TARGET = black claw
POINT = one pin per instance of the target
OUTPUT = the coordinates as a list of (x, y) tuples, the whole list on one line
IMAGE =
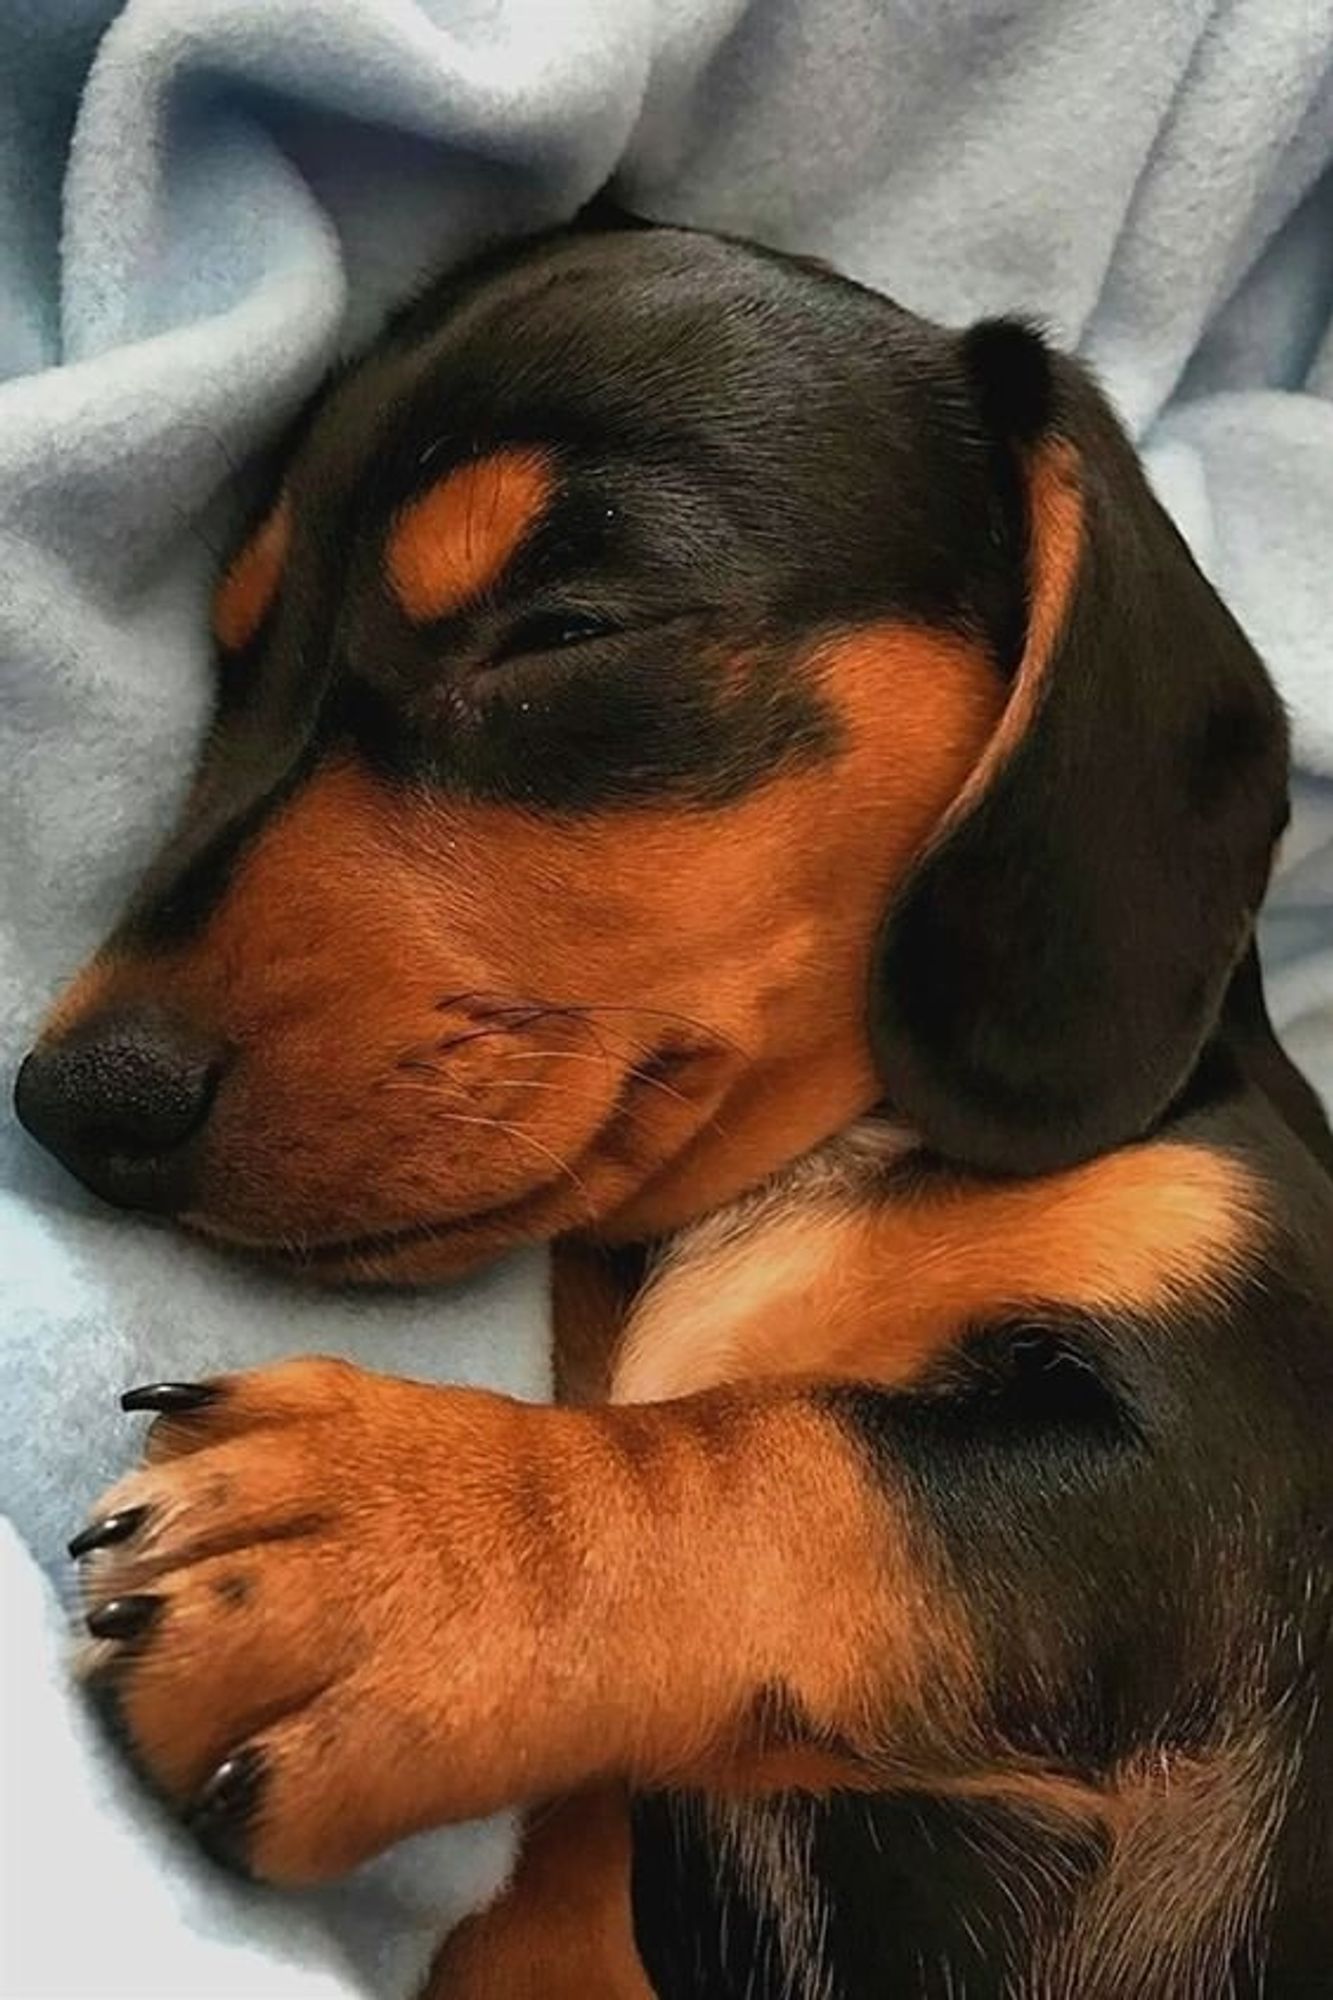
[(173, 1399), (123, 1617), (223, 1814), (110, 1529)]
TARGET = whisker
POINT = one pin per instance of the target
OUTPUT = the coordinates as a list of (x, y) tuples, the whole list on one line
[(471, 1035), (538, 1145), (500, 1004), (624, 1047), (627, 1048), (422, 1050), (706, 1031), (522, 1012), (637, 1115), (581, 1055)]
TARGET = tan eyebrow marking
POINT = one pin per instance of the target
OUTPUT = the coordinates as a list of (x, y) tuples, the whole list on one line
[(452, 543), (251, 584)]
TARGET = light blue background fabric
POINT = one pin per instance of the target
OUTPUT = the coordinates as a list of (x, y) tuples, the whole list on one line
[(202, 202)]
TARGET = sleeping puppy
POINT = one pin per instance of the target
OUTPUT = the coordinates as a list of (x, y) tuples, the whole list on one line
[(714, 771)]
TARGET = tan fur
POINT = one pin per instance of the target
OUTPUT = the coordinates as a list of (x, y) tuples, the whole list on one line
[(251, 583), (452, 544), (1055, 507), (562, 1929), (869, 1284)]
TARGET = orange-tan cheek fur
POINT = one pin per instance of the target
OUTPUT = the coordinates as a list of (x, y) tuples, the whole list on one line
[(557, 1157), (397, 1128), (741, 934)]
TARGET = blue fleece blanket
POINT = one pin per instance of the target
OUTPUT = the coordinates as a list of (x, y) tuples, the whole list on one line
[(201, 203)]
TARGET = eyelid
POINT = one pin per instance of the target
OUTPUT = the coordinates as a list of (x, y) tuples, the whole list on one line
[(632, 625), (539, 631)]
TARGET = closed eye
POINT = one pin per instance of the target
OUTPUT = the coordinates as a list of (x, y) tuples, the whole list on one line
[(553, 632)]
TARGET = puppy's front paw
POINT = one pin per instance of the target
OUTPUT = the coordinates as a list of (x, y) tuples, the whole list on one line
[(301, 1615)]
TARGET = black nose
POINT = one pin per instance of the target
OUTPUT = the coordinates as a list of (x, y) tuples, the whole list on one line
[(120, 1101)]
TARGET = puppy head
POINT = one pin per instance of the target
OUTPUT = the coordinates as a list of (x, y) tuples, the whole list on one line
[(669, 700)]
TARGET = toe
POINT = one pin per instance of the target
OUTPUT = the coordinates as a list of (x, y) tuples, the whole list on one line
[(220, 1650)]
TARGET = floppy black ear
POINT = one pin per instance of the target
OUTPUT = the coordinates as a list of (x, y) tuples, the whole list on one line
[(1053, 966)]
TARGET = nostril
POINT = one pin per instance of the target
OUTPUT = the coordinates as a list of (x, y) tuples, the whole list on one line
[(119, 1098), (136, 1095)]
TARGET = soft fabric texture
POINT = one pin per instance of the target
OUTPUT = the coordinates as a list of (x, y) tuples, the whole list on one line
[(200, 205)]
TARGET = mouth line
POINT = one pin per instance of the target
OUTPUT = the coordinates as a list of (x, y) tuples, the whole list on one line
[(376, 1243), (384, 1242)]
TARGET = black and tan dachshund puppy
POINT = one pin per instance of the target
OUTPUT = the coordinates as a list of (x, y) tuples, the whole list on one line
[(714, 770)]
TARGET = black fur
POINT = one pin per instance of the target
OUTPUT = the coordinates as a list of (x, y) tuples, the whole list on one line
[(1052, 971)]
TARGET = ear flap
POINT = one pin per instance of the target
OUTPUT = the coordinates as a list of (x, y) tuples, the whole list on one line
[(1053, 966)]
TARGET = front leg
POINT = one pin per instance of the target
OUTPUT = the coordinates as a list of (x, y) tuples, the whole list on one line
[(336, 1608)]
